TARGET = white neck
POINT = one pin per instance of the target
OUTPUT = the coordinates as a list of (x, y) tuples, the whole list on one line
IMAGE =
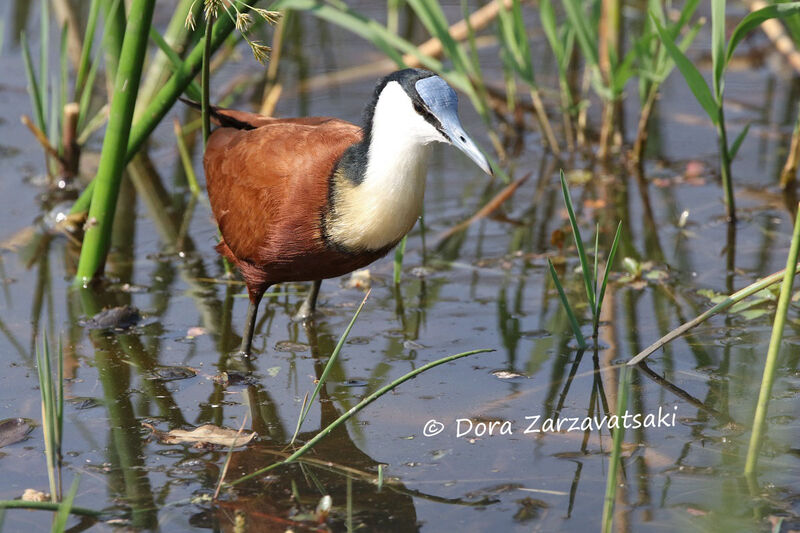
[(381, 209)]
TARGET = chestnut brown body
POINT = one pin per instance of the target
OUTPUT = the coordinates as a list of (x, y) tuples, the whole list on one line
[(269, 183)]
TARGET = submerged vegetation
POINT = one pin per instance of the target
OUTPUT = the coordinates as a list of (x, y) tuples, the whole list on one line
[(565, 67)]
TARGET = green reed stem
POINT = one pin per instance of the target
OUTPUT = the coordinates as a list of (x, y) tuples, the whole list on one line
[(355, 409), (771, 364), (112, 158), (163, 101), (47, 506), (725, 165), (327, 370), (205, 80), (114, 32)]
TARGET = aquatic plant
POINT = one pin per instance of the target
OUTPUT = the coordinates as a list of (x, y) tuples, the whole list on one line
[(771, 362), (594, 293), (52, 393), (711, 99), (654, 64), (97, 238), (353, 410), (615, 459), (323, 378), (516, 48)]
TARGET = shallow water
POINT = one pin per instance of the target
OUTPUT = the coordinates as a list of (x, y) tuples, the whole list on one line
[(488, 288)]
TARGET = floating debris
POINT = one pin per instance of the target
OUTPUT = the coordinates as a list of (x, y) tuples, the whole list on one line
[(507, 374), (195, 331), (360, 279), (203, 435), (33, 495), (13, 430), (172, 373), (116, 318), (291, 346)]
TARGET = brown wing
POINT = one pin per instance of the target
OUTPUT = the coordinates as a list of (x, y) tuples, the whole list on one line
[(245, 119), (268, 185)]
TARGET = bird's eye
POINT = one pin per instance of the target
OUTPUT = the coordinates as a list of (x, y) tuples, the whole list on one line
[(461, 137)]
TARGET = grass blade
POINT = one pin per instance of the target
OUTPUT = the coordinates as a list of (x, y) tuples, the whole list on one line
[(573, 321), (193, 90), (576, 233), (64, 508), (186, 158), (86, 49), (328, 366), (587, 39), (610, 261), (33, 84), (738, 141), (771, 363), (754, 19), (690, 73)]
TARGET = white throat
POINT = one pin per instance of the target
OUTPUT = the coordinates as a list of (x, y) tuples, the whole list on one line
[(385, 206)]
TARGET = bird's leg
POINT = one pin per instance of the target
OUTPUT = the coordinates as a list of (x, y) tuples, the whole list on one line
[(309, 304), (250, 322)]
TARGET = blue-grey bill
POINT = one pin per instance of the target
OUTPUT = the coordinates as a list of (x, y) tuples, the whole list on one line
[(462, 141), (442, 101)]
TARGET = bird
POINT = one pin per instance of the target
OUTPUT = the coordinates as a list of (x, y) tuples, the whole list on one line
[(312, 198)]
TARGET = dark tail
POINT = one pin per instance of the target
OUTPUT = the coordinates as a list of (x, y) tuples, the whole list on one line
[(220, 116)]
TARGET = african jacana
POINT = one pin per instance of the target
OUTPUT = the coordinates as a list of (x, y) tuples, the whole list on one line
[(304, 199)]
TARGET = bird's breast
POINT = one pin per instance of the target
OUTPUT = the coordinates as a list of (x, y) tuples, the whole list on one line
[(380, 209)]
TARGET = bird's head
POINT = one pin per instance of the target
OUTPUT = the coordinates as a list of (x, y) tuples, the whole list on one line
[(420, 104)]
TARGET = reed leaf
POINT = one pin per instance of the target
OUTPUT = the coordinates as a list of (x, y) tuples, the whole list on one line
[(33, 84), (694, 79), (64, 508), (573, 320), (754, 19), (734, 298), (576, 233), (718, 46), (737, 143), (610, 261), (585, 35)]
